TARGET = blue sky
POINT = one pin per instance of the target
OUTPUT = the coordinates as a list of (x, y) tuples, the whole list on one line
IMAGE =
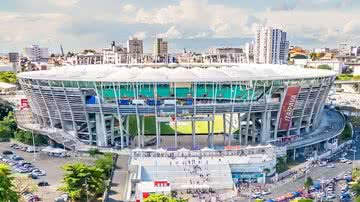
[(191, 24)]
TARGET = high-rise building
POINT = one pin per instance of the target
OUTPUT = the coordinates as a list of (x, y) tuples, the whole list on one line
[(135, 46), (249, 51), (344, 49), (36, 54), (271, 46), (160, 47)]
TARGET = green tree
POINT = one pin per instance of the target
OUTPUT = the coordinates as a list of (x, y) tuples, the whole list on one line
[(327, 67), (281, 165), (308, 182), (163, 198), (266, 171), (313, 56), (7, 193), (5, 133), (26, 137), (81, 180), (93, 152), (105, 163)]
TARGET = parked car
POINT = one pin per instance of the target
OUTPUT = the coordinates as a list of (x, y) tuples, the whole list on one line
[(7, 152), (62, 198), (43, 184), (38, 172)]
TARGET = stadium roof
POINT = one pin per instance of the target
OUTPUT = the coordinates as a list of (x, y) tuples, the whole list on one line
[(176, 73)]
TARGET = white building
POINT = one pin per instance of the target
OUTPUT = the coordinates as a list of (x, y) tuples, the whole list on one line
[(86, 59), (225, 51), (36, 54), (344, 49), (321, 50), (249, 51), (160, 47), (135, 46), (115, 54), (271, 46)]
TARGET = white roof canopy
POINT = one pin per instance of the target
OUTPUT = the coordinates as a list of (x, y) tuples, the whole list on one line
[(179, 73)]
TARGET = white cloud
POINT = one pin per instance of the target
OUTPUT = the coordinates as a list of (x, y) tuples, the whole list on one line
[(139, 35), (199, 35), (128, 8), (171, 33)]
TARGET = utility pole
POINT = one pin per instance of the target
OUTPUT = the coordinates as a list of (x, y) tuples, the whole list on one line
[(33, 140)]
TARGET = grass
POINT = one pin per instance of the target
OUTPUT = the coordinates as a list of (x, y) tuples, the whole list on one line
[(182, 128)]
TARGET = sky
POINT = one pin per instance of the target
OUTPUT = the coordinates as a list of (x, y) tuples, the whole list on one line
[(194, 25)]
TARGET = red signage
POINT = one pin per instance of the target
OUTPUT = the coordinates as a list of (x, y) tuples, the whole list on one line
[(161, 183), (232, 147), (287, 108), (145, 195), (24, 103)]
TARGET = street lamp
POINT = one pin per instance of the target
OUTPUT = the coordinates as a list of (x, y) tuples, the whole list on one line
[(354, 152), (33, 140)]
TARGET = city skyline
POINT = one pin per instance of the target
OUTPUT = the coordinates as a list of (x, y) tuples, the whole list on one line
[(182, 23)]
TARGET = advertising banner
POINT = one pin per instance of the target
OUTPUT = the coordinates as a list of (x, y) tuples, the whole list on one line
[(24, 103), (287, 108)]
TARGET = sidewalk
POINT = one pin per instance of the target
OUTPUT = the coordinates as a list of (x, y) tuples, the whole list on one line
[(119, 181)]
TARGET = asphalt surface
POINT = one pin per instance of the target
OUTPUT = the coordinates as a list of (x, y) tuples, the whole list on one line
[(321, 173), (52, 167)]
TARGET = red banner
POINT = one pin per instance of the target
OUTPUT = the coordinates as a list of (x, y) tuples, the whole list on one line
[(24, 103), (287, 108)]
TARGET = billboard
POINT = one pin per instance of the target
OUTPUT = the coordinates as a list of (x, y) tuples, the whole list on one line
[(288, 105)]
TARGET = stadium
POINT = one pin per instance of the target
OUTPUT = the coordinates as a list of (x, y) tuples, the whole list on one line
[(108, 105)]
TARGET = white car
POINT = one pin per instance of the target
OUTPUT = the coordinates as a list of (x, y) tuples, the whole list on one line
[(266, 193), (343, 160), (256, 195), (331, 165), (38, 172)]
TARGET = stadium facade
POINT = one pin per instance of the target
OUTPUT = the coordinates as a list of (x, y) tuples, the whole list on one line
[(96, 103)]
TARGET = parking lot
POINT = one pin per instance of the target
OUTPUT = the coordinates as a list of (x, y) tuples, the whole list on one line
[(52, 167)]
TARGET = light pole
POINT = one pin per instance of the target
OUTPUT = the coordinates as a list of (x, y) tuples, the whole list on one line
[(33, 140), (354, 154)]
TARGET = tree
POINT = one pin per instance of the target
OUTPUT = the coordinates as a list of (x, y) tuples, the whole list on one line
[(266, 171), (94, 151), (26, 137), (105, 163), (327, 67), (5, 133), (308, 182), (313, 56), (356, 188), (81, 180), (163, 198), (281, 164), (302, 200), (7, 192)]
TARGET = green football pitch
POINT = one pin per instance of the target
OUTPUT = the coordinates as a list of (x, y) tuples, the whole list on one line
[(182, 128)]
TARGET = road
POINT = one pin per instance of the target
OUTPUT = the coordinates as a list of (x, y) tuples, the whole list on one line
[(320, 173)]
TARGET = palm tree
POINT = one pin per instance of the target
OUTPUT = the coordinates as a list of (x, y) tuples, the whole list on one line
[(7, 192)]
